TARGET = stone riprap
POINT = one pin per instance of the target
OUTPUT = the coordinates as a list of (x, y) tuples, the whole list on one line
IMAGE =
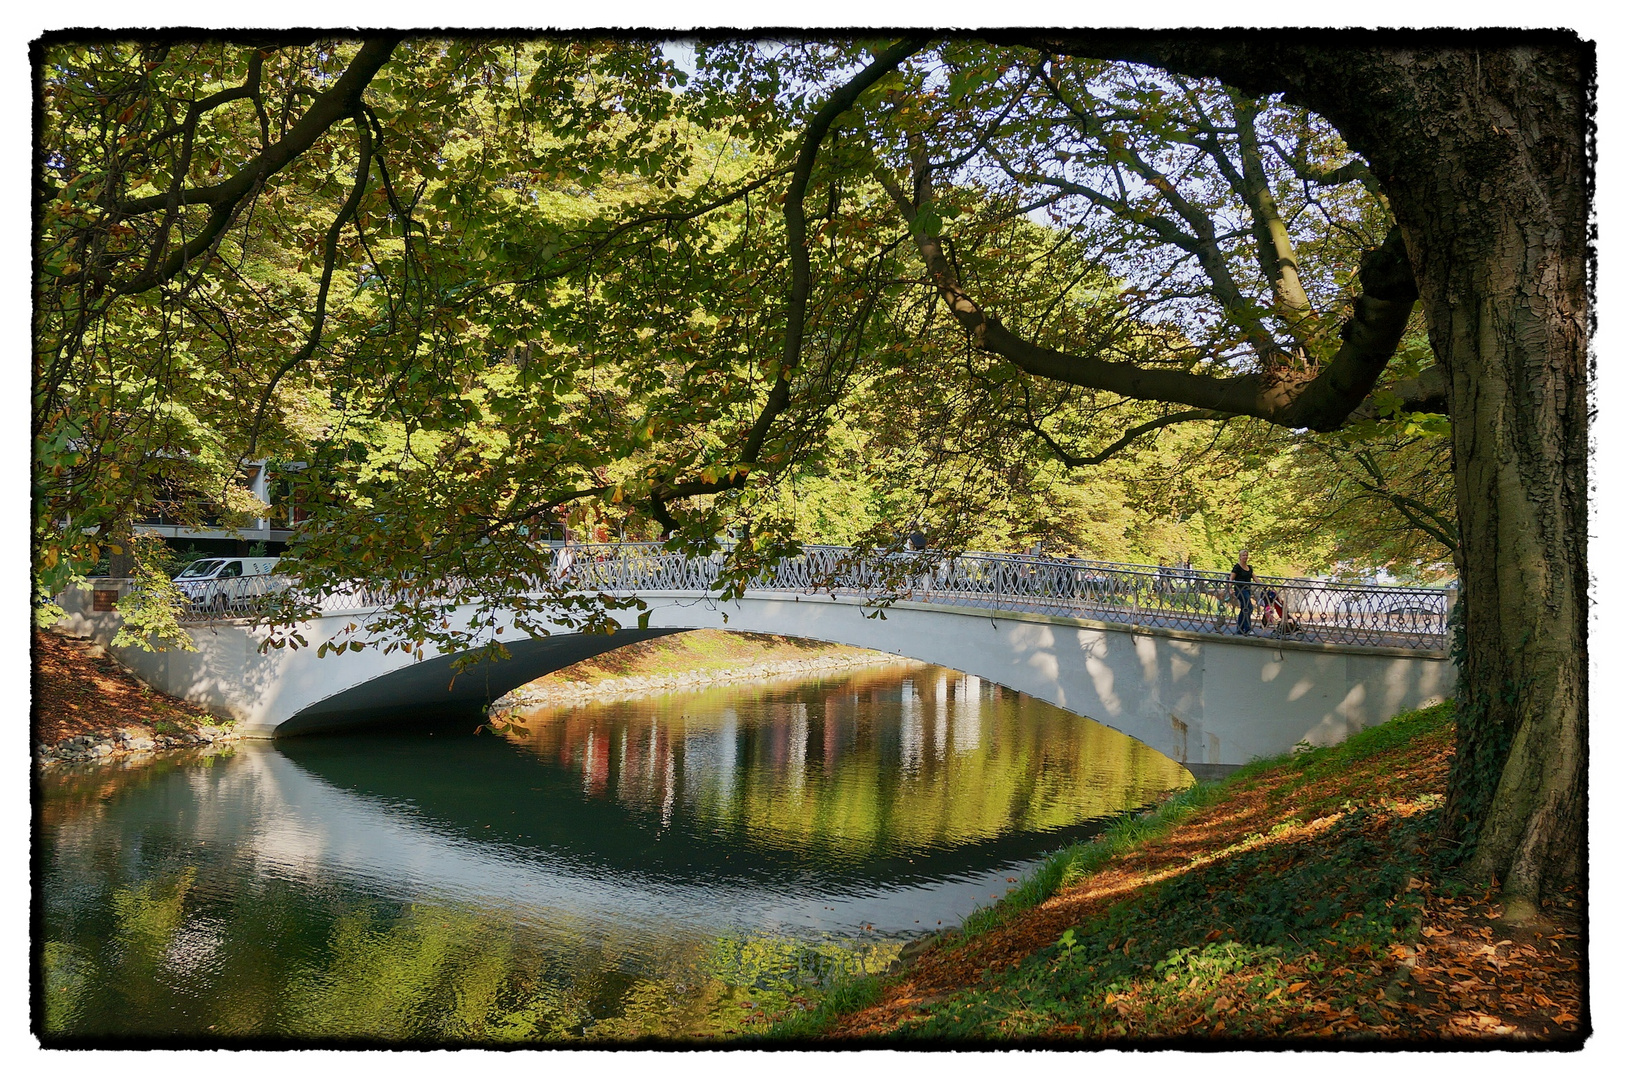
[(80, 749)]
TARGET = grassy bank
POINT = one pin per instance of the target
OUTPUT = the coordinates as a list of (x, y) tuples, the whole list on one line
[(697, 651), (1301, 901)]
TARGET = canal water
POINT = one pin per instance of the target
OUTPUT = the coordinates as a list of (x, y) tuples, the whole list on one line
[(675, 866)]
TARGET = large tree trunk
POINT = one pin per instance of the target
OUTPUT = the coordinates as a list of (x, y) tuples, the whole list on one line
[(1495, 222), (1481, 149)]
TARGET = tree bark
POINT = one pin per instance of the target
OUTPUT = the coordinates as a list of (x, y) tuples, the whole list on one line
[(1500, 258), (1480, 144)]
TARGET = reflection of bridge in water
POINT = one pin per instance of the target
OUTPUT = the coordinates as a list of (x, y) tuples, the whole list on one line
[(1150, 651)]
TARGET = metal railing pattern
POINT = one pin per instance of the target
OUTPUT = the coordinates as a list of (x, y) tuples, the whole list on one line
[(234, 598), (1300, 609)]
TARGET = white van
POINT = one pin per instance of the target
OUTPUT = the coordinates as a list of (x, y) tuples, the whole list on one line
[(208, 576)]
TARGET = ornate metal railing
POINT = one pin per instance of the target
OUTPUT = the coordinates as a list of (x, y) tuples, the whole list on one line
[(233, 598), (1165, 597)]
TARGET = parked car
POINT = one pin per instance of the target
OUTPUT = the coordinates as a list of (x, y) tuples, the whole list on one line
[(213, 582), (1413, 614)]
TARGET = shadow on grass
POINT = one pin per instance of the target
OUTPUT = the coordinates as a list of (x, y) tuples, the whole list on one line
[(1326, 885)]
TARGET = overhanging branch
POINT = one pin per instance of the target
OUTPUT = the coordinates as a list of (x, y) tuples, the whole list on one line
[(1073, 461), (329, 257), (338, 101), (1320, 401)]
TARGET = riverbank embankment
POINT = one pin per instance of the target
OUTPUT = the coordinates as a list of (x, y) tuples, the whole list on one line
[(1305, 901), (689, 661), (86, 708)]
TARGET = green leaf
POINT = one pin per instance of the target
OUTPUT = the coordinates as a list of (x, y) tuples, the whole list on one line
[(927, 222)]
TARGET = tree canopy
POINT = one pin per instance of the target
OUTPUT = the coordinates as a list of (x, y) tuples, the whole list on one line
[(648, 293)]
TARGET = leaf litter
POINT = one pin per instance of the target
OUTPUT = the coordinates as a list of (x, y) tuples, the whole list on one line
[(1307, 904)]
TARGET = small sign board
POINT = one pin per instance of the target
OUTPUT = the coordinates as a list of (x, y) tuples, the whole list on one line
[(104, 599)]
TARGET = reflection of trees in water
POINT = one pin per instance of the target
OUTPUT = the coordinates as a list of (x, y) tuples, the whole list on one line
[(432, 973), (936, 760), (68, 977), (131, 956), (169, 944), (84, 791)]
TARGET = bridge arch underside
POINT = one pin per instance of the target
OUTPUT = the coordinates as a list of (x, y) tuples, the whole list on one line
[(430, 692), (1206, 700)]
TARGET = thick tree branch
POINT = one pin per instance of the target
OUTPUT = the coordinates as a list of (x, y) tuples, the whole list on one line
[(338, 101), (1277, 259), (332, 105), (1320, 401), (795, 226)]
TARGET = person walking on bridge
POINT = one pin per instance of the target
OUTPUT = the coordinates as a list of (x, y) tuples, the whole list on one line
[(563, 559), (1242, 574)]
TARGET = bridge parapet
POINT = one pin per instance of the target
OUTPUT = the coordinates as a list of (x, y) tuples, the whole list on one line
[(1298, 609)]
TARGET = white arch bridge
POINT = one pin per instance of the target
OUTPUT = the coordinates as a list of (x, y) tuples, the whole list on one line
[(1150, 651)]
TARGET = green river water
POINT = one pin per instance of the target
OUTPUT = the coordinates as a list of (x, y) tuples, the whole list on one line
[(671, 867)]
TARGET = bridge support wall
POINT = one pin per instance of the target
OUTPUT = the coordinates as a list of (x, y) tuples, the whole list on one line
[(1207, 700)]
